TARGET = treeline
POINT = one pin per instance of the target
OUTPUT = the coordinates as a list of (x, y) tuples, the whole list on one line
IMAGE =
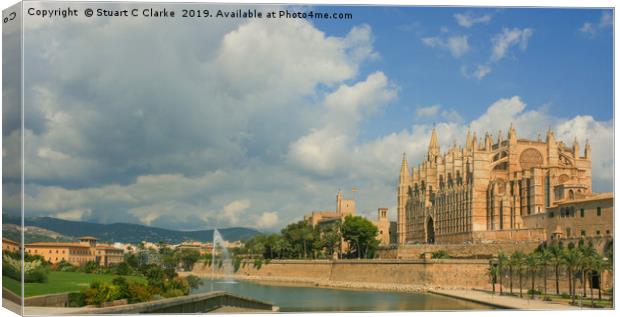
[(300, 240), (579, 262)]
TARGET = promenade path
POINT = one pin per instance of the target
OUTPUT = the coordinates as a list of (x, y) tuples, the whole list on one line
[(509, 302)]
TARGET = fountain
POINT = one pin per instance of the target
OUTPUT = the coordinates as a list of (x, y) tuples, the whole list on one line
[(227, 266)]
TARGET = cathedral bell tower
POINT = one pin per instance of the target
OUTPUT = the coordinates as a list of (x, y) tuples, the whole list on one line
[(433, 148), (403, 195)]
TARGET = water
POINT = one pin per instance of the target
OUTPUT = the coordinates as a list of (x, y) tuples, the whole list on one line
[(219, 250), (300, 298)]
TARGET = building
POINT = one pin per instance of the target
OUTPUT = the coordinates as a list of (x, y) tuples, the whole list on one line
[(581, 217), (10, 245), (107, 255), (344, 207), (76, 253), (383, 226), (201, 248), (500, 190)]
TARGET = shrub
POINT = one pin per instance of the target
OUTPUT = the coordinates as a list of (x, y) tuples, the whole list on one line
[(64, 266), (534, 292), (258, 263), (565, 296), (236, 264), (35, 271), (36, 276), (138, 293), (76, 300), (123, 269), (89, 267), (441, 254), (100, 293), (194, 281)]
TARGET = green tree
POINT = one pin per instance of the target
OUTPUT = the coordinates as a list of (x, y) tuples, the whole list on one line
[(572, 259), (493, 272), (532, 262), (502, 261), (188, 258), (545, 259), (557, 260), (518, 260), (600, 265), (331, 238), (360, 234), (588, 254)]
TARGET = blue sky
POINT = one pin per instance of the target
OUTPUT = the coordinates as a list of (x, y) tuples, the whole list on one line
[(202, 123), (565, 69)]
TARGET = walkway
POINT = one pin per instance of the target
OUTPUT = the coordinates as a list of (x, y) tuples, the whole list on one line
[(509, 302)]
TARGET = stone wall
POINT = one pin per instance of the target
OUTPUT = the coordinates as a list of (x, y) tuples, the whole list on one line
[(190, 304), (50, 300), (357, 273), (467, 251)]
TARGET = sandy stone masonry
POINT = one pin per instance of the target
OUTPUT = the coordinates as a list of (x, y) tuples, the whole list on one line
[(501, 190)]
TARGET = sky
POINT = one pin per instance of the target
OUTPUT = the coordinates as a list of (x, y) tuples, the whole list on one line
[(198, 124)]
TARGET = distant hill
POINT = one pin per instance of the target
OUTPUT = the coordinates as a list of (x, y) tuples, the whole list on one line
[(126, 232)]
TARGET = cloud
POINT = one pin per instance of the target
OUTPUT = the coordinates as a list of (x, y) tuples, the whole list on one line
[(481, 71), (212, 200), (324, 149), (467, 20), (234, 210), (438, 113), (457, 45), (591, 29), (501, 45), (75, 215), (267, 220), (588, 28), (429, 111), (502, 42)]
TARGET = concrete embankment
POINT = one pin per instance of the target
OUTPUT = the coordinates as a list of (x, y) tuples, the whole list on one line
[(508, 302), (197, 303), (387, 275)]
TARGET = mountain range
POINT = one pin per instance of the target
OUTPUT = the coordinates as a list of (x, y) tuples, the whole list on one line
[(127, 232)]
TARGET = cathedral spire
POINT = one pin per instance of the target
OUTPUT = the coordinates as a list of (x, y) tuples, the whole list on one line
[(433, 147), (512, 134), (576, 148), (404, 171), (468, 143)]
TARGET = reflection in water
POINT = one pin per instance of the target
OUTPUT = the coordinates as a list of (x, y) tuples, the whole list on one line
[(300, 298)]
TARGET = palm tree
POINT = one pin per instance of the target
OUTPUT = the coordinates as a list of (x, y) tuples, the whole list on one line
[(518, 259), (557, 259), (493, 269), (545, 259), (572, 259), (588, 253), (502, 260), (532, 261), (599, 264), (511, 265)]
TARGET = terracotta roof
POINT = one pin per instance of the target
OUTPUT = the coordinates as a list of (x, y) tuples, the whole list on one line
[(601, 196), (57, 245), (107, 247), (9, 241), (87, 238)]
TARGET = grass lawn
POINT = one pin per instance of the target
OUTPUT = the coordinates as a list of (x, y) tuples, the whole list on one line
[(59, 282), (605, 303)]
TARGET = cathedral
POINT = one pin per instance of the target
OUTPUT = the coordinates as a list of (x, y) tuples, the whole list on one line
[(500, 189)]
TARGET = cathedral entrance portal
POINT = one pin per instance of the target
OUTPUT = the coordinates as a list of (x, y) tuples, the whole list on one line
[(430, 231)]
